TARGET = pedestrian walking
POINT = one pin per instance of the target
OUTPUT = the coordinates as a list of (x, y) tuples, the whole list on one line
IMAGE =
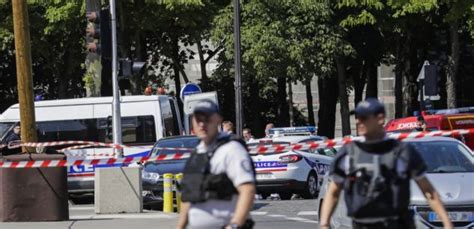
[(218, 185), (375, 176)]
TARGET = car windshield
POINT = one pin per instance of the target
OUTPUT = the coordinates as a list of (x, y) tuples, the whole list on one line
[(4, 127), (445, 157), (189, 143)]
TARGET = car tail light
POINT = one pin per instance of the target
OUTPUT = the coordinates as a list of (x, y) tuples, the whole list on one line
[(292, 158)]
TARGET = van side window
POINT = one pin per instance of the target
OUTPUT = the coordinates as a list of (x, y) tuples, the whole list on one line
[(175, 118), (65, 130), (169, 123), (135, 130)]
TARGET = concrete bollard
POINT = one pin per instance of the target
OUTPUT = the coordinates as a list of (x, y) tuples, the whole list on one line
[(178, 177), (168, 192)]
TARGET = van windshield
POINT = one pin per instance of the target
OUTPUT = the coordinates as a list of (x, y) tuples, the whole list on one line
[(4, 127)]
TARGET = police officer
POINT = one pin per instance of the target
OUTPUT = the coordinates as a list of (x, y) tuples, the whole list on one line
[(375, 176), (218, 185), (13, 138)]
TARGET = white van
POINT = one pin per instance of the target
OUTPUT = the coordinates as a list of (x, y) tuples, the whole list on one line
[(145, 119)]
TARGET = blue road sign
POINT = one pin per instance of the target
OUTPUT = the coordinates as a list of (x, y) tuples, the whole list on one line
[(189, 89)]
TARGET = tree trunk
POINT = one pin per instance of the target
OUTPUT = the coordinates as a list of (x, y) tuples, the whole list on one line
[(282, 107), (254, 114), (399, 92), (63, 79), (453, 64), (359, 76), (399, 81), (176, 69), (327, 90), (290, 103), (343, 97), (410, 89), (309, 101), (202, 62), (372, 82)]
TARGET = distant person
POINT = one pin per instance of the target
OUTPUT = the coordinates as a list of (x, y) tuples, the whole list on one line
[(420, 123), (267, 129), (14, 137), (247, 134), (228, 127), (148, 91)]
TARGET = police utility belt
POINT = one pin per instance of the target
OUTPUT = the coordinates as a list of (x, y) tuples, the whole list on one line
[(199, 185)]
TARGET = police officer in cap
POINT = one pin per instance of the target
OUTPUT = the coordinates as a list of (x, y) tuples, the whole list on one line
[(218, 185), (375, 176)]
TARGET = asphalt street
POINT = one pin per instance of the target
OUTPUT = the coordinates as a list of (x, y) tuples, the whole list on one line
[(269, 214)]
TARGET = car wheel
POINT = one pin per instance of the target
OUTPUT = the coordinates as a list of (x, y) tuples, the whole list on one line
[(285, 195), (311, 188)]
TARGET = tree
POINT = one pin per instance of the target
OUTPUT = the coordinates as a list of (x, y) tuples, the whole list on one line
[(405, 18), (57, 31), (281, 41)]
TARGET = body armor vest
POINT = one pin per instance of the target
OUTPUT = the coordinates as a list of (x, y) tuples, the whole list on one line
[(198, 184)]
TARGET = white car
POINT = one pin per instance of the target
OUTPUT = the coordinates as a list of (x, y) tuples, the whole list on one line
[(450, 170), (291, 172)]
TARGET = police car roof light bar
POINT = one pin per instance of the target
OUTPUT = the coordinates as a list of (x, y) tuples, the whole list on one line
[(293, 130)]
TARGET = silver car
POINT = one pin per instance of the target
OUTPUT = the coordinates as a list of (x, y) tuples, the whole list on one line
[(451, 171)]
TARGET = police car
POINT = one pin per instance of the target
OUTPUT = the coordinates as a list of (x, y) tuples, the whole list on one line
[(291, 172)]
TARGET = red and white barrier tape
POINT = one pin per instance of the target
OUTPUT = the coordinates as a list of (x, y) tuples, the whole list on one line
[(256, 150), (62, 143), (342, 141), (75, 162), (78, 144), (84, 154)]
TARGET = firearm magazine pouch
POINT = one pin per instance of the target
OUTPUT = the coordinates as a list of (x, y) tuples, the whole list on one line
[(33, 194)]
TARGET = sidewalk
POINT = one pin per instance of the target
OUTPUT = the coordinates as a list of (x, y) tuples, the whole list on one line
[(83, 217)]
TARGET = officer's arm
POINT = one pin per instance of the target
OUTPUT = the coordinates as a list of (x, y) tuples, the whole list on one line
[(329, 203), (244, 203), (434, 200), (183, 215)]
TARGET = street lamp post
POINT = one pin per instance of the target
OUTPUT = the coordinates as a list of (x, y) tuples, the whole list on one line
[(116, 121), (237, 62)]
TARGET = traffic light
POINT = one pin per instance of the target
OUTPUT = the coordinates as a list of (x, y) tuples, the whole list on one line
[(108, 128), (129, 68)]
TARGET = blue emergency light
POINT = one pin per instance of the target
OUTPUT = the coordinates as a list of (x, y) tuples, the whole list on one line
[(293, 130)]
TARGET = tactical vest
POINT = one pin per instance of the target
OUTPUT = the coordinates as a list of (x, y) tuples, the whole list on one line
[(373, 188), (199, 185)]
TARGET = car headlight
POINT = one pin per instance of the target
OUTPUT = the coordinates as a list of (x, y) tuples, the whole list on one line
[(150, 176)]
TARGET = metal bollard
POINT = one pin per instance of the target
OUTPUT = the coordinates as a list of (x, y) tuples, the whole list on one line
[(178, 178), (168, 192)]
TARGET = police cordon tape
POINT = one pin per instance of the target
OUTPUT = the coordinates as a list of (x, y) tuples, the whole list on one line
[(79, 144), (77, 162), (254, 150)]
